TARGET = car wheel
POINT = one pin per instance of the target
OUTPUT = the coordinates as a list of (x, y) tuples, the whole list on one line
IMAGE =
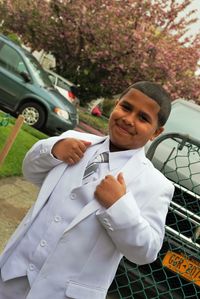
[(34, 114)]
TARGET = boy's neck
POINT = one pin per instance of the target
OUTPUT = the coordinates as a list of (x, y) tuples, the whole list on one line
[(114, 148)]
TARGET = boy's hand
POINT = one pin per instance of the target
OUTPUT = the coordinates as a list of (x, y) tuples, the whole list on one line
[(110, 190), (70, 150)]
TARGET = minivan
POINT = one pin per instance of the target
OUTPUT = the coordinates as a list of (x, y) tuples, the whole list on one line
[(26, 89)]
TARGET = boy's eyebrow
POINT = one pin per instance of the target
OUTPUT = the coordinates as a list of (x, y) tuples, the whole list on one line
[(144, 113), (127, 103)]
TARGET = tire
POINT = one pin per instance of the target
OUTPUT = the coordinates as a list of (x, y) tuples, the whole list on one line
[(34, 114)]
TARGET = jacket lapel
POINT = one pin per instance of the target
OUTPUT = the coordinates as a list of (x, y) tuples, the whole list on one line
[(134, 167), (90, 208), (47, 187)]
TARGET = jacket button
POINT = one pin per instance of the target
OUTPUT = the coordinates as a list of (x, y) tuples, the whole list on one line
[(43, 151), (43, 243), (105, 221), (110, 227), (31, 267), (57, 218), (73, 195)]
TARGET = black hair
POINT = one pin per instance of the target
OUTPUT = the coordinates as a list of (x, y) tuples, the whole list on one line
[(157, 93)]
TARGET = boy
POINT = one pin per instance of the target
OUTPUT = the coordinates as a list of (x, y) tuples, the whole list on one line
[(85, 218)]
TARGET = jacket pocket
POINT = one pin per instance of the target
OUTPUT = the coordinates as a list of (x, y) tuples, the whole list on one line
[(79, 291)]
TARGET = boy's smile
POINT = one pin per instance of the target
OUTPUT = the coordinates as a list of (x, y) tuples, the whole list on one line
[(133, 121)]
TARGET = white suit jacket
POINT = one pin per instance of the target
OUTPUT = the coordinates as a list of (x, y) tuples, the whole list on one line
[(95, 241)]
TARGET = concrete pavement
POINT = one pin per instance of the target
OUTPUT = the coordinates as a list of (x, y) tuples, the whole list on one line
[(16, 197)]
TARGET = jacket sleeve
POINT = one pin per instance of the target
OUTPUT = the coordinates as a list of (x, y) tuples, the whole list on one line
[(39, 160), (138, 232)]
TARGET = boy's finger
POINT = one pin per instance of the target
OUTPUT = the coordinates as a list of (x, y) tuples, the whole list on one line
[(83, 145), (86, 143), (120, 179)]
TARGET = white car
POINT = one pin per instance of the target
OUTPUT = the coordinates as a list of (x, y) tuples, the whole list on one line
[(64, 86)]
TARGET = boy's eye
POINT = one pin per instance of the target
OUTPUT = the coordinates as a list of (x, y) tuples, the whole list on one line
[(126, 107), (144, 118)]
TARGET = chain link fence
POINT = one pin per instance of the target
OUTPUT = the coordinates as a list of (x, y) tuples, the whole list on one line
[(176, 272)]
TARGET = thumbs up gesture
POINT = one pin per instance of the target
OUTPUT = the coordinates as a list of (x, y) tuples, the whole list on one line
[(110, 190)]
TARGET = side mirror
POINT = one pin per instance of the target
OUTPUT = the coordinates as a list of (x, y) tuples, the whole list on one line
[(25, 76)]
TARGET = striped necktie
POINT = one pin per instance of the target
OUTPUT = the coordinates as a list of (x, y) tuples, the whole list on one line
[(92, 167)]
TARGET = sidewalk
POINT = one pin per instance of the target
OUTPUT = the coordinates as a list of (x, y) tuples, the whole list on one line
[(83, 127), (16, 197)]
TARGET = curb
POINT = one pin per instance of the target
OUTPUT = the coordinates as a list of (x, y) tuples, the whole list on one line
[(83, 127)]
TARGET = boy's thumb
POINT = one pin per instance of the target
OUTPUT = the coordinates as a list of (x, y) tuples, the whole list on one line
[(120, 178), (87, 143)]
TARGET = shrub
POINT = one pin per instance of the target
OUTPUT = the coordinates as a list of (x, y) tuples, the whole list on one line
[(107, 107), (99, 123)]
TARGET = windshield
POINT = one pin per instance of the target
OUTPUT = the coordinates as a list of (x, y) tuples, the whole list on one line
[(39, 73)]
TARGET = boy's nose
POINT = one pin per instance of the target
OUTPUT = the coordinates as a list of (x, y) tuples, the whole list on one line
[(129, 120)]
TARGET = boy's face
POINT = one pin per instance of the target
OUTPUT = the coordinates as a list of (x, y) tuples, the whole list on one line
[(134, 121)]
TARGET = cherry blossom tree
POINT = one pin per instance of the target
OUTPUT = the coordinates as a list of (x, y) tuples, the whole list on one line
[(106, 45)]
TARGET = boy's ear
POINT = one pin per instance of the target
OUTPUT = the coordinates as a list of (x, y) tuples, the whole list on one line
[(157, 133)]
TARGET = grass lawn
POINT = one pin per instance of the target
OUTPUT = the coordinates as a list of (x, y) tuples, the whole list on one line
[(28, 136), (99, 123), (25, 139)]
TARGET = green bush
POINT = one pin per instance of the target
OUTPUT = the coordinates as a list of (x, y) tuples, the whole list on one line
[(15, 38), (107, 107), (11, 35), (99, 123)]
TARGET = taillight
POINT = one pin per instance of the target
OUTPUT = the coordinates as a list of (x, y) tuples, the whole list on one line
[(71, 95)]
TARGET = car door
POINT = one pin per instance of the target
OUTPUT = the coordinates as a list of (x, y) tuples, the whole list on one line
[(12, 84)]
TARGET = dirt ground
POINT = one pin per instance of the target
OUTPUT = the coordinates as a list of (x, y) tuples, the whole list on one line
[(16, 197)]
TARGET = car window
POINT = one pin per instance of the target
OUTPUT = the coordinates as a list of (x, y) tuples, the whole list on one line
[(11, 60), (63, 84), (39, 73), (21, 67), (52, 78)]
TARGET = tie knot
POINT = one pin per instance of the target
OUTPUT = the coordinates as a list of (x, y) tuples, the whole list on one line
[(102, 158), (92, 167)]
